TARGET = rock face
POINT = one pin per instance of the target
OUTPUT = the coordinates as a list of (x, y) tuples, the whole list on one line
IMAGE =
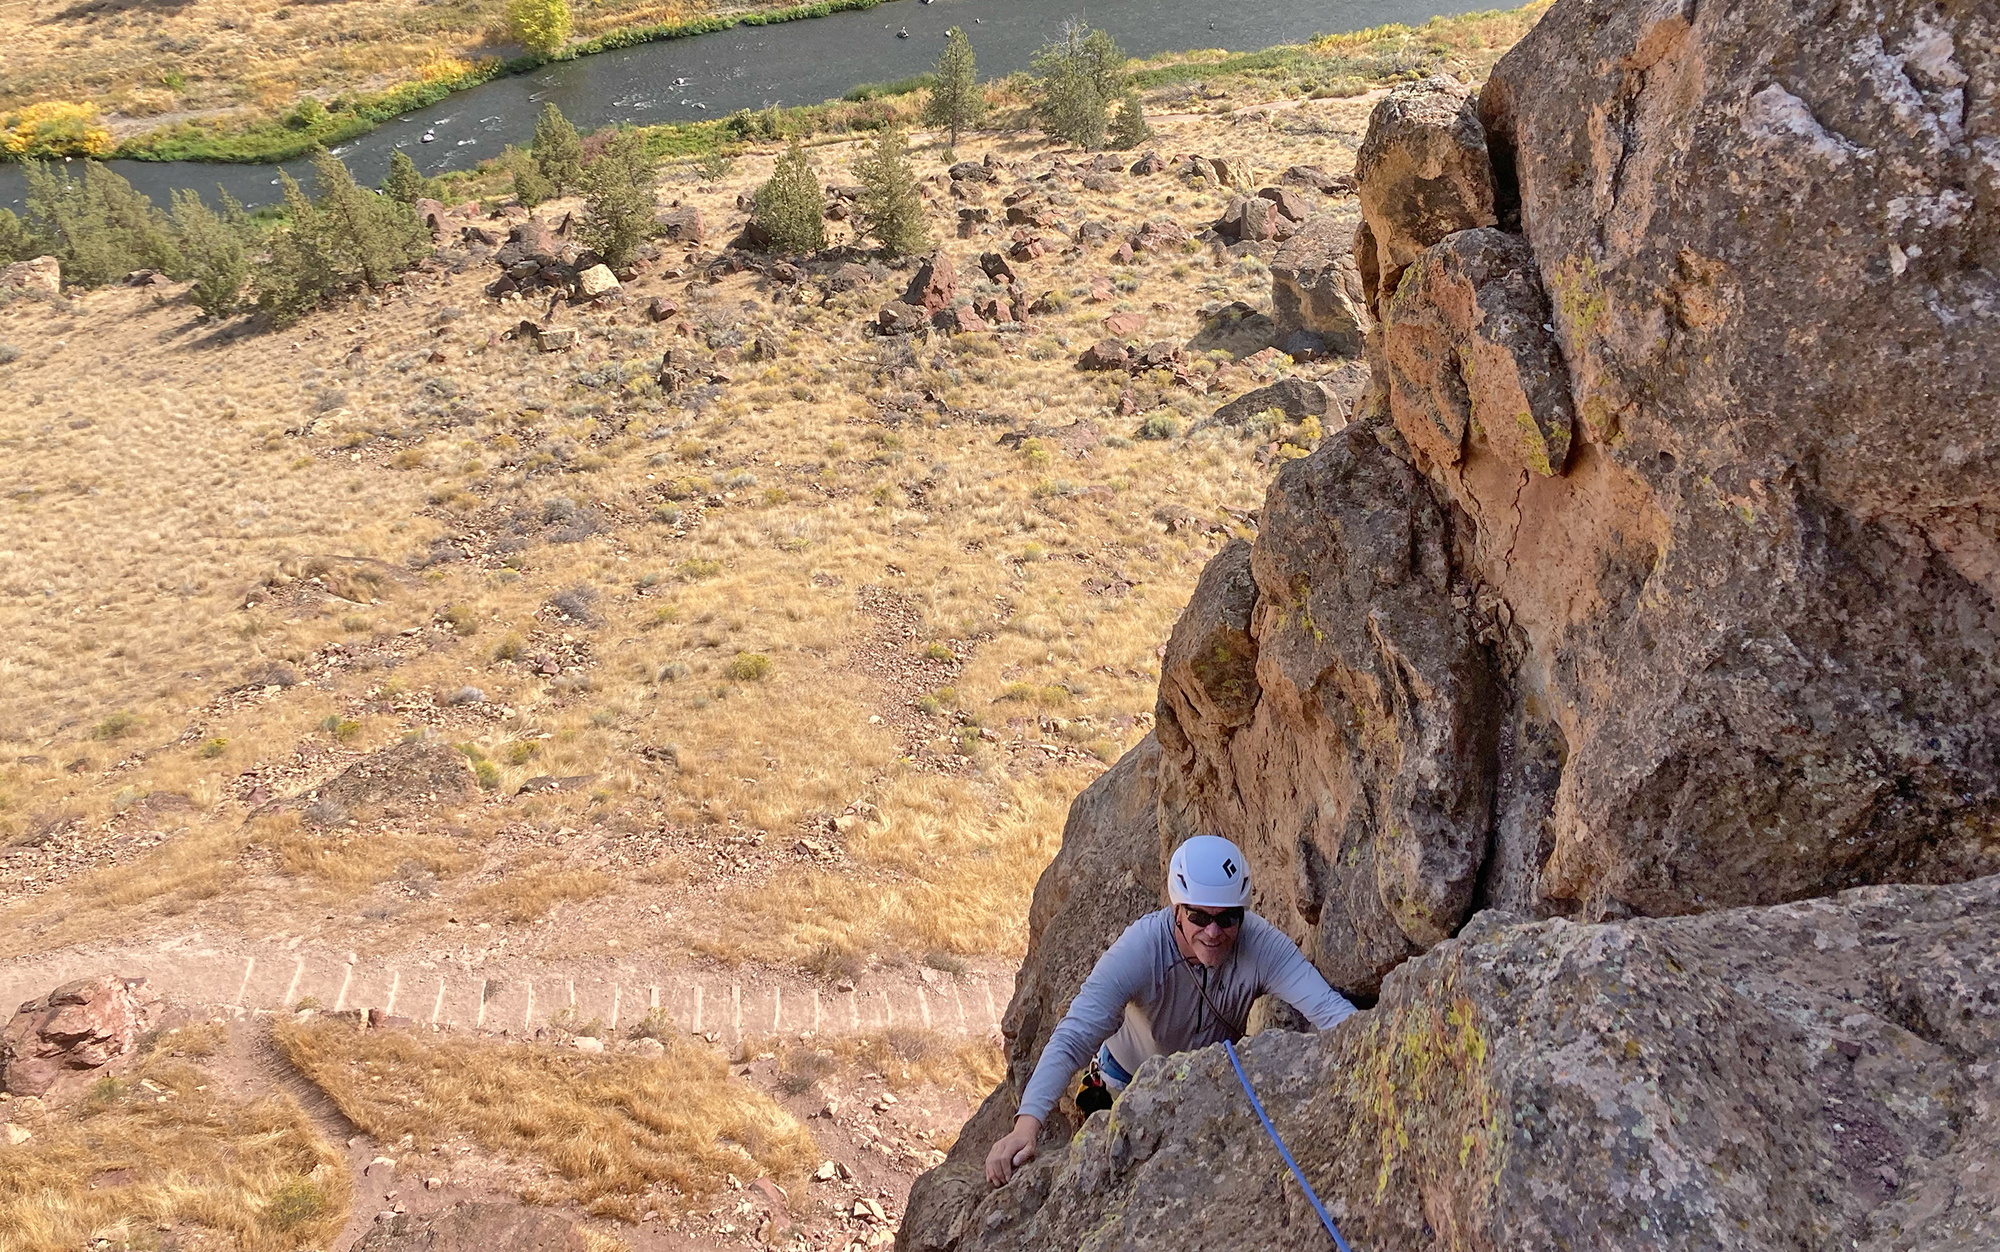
[(1655, 575), (1803, 1076), (75, 1030)]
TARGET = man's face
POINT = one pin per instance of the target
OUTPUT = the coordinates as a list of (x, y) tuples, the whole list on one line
[(1208, 935)]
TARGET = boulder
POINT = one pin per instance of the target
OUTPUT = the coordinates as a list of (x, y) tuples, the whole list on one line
[(1296, 398), (529, 240), (1027, 249), (78, 1029), (597, 281), (555, 338), (1151, 163), (997, 269), (661, 309), (1293, 206), (1124, 325), (1423, 172), (1106, 354), (1228, 171), (43, 274), (1787, 1077), (972, 172), (962, 320), (1316, 287), (847, 276), (1161, 237), (682, 225), (897, 318), (1317, 179), (432, 214), (934, 286)]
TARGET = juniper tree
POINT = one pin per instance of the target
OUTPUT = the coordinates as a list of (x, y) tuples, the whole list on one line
[(1081, 72), (530, 188), (373, 237), (97, 226), (214, 251), (1128, 124), (404, 183), (890, 207), (348, 236), (558, 150), (618, 208), (790, 207), (957, 101), (16, 244)]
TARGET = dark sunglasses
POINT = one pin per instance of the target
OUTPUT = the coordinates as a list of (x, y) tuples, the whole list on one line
[(1201, 919)]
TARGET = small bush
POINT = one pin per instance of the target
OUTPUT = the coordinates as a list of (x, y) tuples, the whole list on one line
[(790, 207), (116, 726), (464, 619), (696, 568), (1160, 426), (749, 667)]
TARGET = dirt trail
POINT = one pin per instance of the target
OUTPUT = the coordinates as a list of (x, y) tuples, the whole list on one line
[(505, 996)]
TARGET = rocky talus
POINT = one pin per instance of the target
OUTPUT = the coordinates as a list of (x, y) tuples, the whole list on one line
[(1650, 593)]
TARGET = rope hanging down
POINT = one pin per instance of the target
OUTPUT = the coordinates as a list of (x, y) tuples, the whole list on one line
[(1272, 1131)]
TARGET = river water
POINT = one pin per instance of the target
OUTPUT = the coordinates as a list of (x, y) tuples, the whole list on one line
[(803, 62)]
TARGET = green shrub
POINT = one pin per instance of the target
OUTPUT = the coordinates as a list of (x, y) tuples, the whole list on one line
[(618, 204), (404, 182), (890, 207), (348, 237), (749, 667), (541, 26), (1080, 72), (558, 151), (1160, 426), (790, 207), (215, 251), (96, 225), (1128, 124)]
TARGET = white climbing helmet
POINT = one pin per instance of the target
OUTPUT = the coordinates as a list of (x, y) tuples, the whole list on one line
[(1209, 872)]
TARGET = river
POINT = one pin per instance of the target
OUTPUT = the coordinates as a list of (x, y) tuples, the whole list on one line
[(802, 62)]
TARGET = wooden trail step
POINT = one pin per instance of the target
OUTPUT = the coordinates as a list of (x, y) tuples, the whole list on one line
[(510, 1000)]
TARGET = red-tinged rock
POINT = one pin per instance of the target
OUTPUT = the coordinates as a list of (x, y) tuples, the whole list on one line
[(1108, 354), (1124, 325), (77, 1029)]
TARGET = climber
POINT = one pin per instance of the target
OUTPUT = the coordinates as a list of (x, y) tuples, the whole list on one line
[(1178, 979)]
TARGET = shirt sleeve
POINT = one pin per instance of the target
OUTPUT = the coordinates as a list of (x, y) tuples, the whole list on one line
[(1094, 1015), (1287, 974)]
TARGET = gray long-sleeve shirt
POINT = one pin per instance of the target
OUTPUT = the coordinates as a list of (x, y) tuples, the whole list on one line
[(1147, 999)]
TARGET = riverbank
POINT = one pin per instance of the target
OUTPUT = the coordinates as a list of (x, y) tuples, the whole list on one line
[(311, 125)]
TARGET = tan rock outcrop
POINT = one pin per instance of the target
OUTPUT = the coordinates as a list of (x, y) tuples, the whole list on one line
[(1422, 173)]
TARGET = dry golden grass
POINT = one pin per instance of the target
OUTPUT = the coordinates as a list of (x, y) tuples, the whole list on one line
[(149, 63), (180, 511), (617, 1134), (906, 1059), (164, 1145)]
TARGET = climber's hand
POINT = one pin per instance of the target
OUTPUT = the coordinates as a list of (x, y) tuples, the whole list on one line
[(1015, 1149)]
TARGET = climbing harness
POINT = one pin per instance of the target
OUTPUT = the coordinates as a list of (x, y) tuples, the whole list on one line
[(1272, 1131)]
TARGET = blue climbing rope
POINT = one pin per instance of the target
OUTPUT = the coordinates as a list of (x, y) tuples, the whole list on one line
[(1272, 1131)]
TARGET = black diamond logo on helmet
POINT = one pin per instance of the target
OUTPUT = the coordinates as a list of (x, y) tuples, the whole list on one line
[(1229, 869)]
